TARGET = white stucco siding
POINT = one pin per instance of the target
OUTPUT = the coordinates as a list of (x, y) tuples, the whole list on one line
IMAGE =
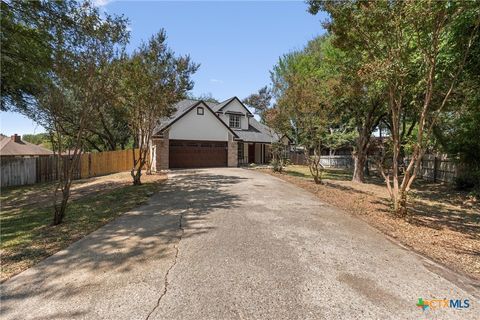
[(224, 118), (199, 127), (235, 106)]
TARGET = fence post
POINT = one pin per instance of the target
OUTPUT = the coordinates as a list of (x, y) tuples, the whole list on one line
[(435, 168), (89, 164)]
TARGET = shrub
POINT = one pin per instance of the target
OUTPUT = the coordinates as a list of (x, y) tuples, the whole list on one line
[(468, 181)]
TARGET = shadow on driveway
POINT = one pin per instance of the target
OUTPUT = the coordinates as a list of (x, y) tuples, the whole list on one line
[(124, 258)]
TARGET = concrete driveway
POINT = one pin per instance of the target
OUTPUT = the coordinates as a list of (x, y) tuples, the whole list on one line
[(235, 244)]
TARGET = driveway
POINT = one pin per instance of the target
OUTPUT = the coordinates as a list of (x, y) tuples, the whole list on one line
[(235, 244)]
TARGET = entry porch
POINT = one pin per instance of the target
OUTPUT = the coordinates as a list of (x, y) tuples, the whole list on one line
[(254, 152)]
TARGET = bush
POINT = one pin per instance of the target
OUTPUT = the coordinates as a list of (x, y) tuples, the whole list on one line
[(279, 159), (468, 181), (277, 165)]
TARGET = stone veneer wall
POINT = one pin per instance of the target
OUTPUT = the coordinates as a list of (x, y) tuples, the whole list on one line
[(232, 154), (162, 152)]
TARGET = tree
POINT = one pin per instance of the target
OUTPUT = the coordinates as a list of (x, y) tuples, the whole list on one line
[(278, 156), (153, 80), (208, 97), (359, 102), (412, 59), (69, 98), (259, 101), (303, 94), (27, 36), (39, 138), (303, 84), (339, 137), (457, 128)]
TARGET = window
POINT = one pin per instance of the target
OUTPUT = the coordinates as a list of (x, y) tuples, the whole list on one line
[(240, 152), (234, 121), (200, 111)]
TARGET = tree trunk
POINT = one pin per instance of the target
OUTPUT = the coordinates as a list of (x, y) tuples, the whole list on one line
[(359, 159), (367, 169), (317, 179), (60, 209), (400, 203), (136, 175), (360, 152)]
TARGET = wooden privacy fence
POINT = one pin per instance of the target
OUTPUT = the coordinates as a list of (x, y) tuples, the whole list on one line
[(47, 169), (16, 171), (437, 168), (101, 163)]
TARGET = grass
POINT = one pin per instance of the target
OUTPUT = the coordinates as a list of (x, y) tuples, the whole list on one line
[(27, 235), (330, 174)]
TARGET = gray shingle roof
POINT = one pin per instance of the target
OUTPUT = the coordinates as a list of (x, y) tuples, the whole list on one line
[(256, 132), (220, 105), (181, 107)]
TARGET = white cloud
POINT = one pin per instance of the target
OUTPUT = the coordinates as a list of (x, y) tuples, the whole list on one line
[(101, 3), (216, 81)]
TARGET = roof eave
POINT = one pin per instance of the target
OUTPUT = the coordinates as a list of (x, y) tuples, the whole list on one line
[(189, 109)]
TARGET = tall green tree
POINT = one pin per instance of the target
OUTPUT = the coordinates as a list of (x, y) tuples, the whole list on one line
[(68, 102), (259, 101), (457, 128), (359, 102), (153, 80), (302, 84), (208, 97), (27, 35), (412, 59)]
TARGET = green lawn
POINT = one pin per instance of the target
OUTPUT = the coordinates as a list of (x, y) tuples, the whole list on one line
[(26, 232), (331, 174)]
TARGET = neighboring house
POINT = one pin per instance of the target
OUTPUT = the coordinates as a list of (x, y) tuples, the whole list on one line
[(205, 134), (14, 146)]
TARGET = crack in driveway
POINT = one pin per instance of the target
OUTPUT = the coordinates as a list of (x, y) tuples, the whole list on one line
[(165, 289)]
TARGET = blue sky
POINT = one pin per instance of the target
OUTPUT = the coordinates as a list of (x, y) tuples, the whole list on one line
[(236, 43)]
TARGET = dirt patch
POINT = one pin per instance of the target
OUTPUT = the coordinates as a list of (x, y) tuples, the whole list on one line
[(441, 224)]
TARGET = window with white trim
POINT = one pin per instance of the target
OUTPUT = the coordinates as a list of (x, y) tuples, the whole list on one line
[(234, 121)]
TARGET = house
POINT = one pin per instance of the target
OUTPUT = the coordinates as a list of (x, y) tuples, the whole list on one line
[(14, 146), (206, 134)]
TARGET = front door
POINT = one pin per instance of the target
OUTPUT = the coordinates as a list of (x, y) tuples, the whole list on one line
[(251, 153)]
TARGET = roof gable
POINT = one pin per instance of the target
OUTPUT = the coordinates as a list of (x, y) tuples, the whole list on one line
[(221, 106), (187, 108)]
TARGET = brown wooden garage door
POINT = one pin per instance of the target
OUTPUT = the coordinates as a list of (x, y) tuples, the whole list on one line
[(197, 154)]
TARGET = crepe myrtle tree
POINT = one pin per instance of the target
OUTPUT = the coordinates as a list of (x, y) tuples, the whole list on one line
[(154, 79), (416, 56), (305, 97), (303, 84), (69, 97)]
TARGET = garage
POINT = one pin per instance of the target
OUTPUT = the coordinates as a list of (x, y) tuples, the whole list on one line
[(197, 154)]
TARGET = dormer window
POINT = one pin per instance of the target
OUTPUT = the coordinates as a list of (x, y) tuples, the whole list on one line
[(200, 111), (234, 121)]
